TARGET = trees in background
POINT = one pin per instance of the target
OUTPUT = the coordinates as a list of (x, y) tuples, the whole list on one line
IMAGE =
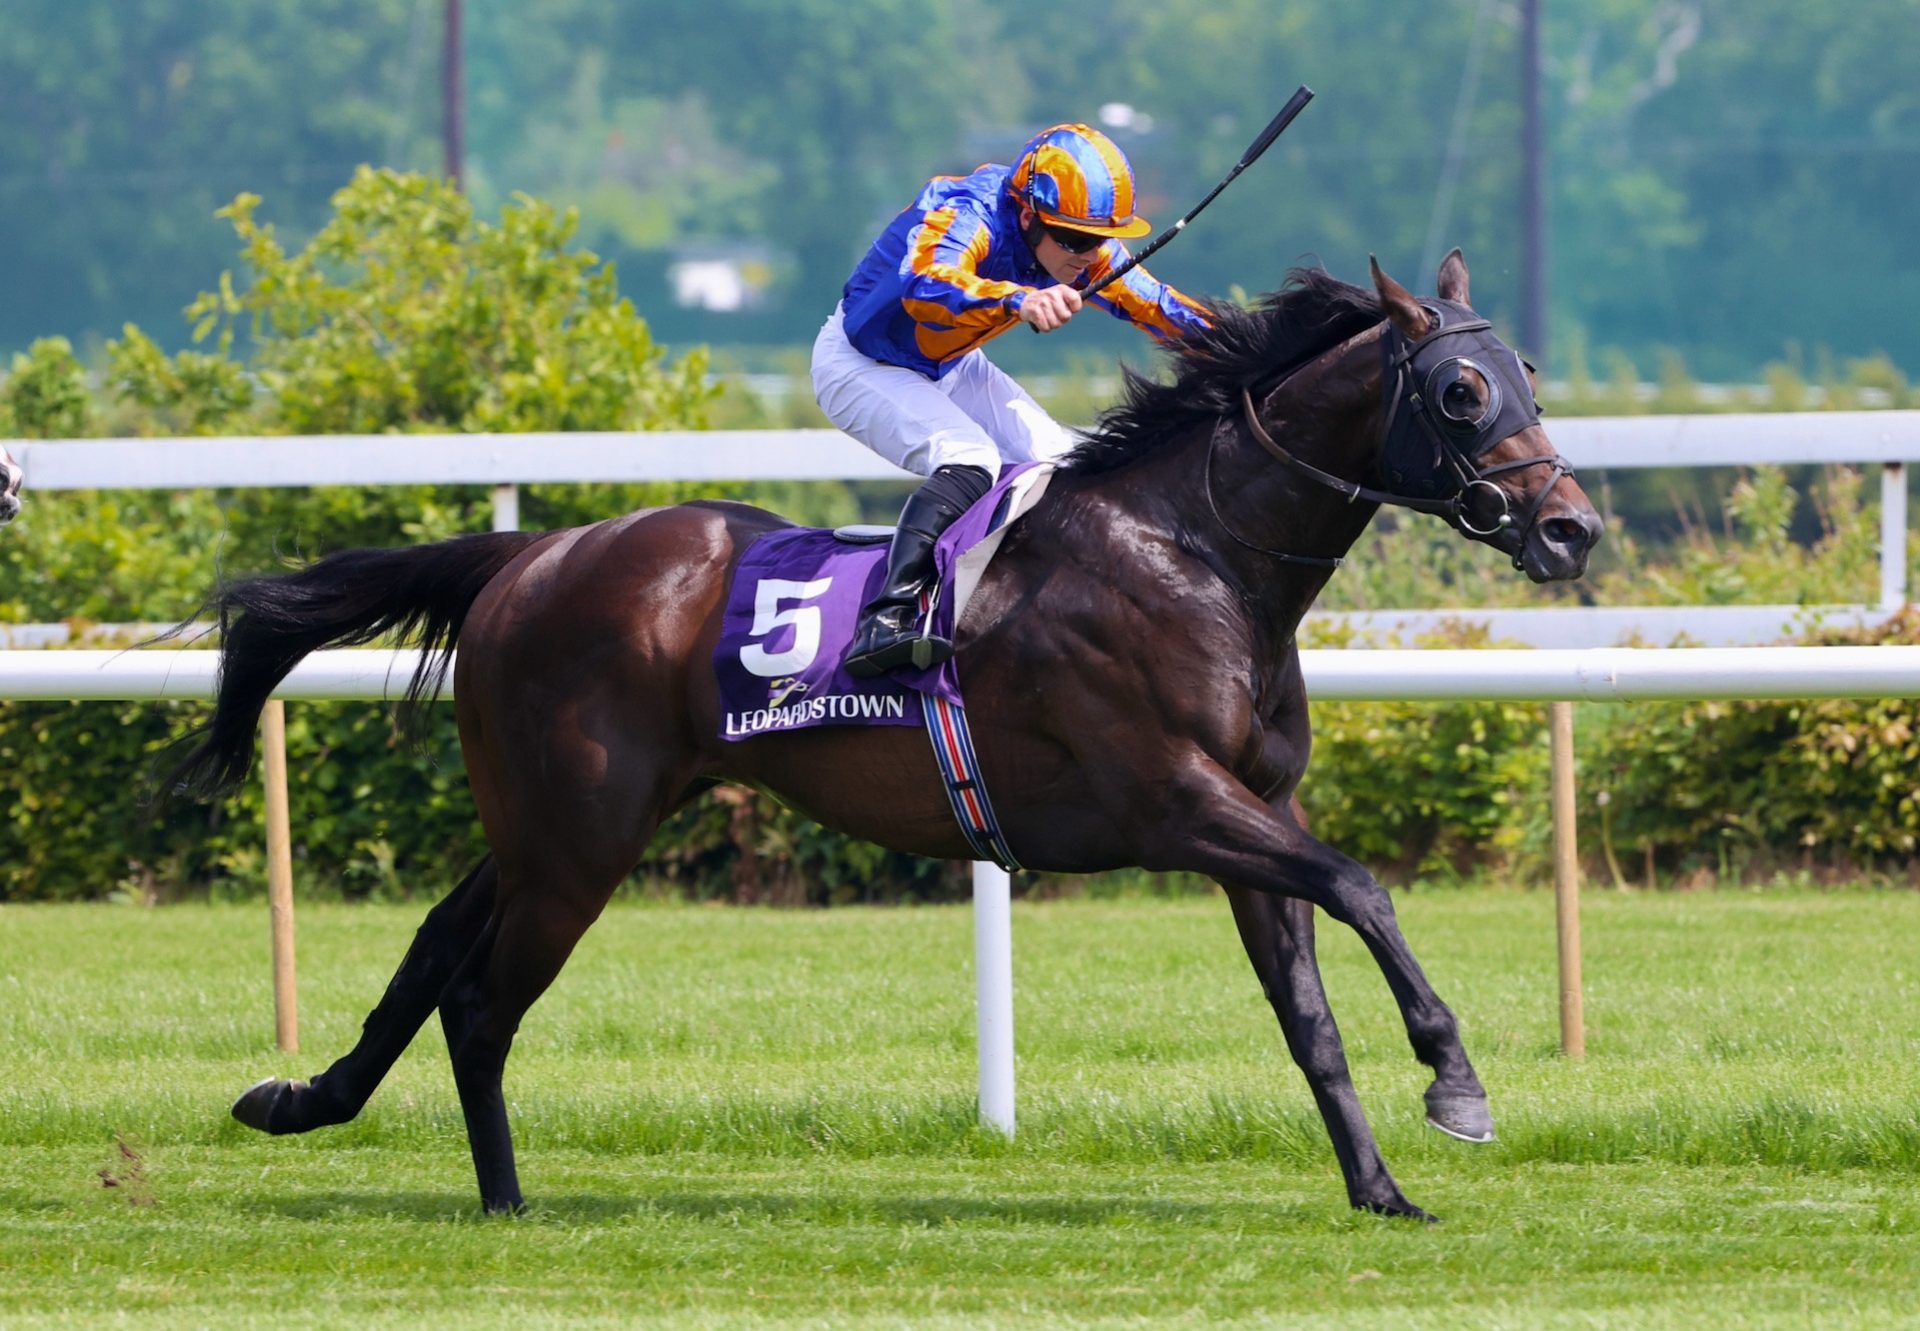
[(1726, 178), (404, 312), (123, 126)]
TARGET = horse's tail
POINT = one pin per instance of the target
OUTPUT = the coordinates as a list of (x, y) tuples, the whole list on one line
[(267, 624)]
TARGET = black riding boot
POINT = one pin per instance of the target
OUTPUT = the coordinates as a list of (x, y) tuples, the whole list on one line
[(890, 633)]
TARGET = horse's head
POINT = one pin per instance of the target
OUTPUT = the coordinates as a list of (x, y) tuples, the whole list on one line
[(1462, 434), (11, 475)]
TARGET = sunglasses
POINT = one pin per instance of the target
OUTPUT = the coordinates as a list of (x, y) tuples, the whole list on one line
[(1075, 242)]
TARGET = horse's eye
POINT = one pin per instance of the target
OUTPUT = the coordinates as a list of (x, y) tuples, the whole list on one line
[(1458, 400)]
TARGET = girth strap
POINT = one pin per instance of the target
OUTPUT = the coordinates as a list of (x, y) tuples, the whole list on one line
[(966, 788)]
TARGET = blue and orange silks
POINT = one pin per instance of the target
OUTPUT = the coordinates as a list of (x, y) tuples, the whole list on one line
[(952, 271)]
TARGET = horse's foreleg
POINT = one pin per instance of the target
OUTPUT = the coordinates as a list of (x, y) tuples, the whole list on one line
[(444, 938), (1278, 935), (1231, 835)]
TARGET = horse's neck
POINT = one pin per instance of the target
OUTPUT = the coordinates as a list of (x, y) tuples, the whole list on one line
[(1302, 520), (1326, 415), (1156, 514), (1172, 509)]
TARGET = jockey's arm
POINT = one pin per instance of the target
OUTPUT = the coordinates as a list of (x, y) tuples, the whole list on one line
[(1143, 300), (944, 289)]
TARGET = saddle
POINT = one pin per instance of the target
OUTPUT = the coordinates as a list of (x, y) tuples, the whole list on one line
[(795, 600), (791, 612)]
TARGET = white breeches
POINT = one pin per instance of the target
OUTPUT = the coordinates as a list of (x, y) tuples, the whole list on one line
[(975, 416)]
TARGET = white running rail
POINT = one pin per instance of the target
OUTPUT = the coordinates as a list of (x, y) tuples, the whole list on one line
[(1601, 674)]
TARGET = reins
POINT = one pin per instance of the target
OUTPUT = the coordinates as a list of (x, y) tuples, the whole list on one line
[(1351, 489), (1284, 556)]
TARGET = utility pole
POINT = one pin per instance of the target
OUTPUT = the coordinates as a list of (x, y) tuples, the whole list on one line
[(1533, 190), (452, 97)]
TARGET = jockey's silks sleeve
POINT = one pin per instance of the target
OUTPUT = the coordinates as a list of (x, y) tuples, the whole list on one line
[(953, 307), (1144, 300)]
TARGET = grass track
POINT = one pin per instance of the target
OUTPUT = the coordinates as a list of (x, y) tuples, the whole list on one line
[(745, 1118)]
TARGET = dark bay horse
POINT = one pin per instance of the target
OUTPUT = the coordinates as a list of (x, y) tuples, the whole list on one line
[(1129, 660)]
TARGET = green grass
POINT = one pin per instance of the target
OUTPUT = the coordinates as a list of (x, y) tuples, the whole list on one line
[(732, 1118)]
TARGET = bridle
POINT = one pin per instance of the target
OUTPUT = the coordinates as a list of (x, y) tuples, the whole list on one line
[(1425, 447)]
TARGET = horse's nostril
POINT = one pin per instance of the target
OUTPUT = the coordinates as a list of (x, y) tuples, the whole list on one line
[(1565, 531)]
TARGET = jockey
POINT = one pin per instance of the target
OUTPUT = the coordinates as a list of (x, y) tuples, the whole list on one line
[(899, 367)]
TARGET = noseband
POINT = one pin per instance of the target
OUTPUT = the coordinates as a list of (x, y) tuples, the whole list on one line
[(1426, 448)]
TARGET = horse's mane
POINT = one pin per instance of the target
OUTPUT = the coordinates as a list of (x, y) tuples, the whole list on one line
[(1311, 312)]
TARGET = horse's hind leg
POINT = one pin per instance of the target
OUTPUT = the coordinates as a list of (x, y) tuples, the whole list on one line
[(563, 842), (522, 949), (444, 939), (1278, 935)]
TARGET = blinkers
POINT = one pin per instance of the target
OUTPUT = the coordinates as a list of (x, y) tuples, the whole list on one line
[(1435, 429)]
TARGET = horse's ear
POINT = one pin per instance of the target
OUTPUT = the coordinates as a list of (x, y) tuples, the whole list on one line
[(1453, 277), (1407, 314)]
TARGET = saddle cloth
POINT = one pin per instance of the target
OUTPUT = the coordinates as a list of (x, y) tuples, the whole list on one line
[(794, 604)]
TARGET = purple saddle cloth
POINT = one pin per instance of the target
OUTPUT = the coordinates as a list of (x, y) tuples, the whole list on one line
[(791, 613)]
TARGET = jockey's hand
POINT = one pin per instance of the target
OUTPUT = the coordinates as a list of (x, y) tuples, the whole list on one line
[(1049, 308)]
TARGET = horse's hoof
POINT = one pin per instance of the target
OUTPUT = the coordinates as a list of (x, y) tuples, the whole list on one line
[(1462, 1116), (1398, 1208), (257, 1104)]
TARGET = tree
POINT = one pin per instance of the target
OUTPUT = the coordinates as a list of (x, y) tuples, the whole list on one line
[(123, 126), (405, 313)]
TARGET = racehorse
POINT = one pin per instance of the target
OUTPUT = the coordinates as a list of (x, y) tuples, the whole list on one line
[(1129, 660), (11, 476)]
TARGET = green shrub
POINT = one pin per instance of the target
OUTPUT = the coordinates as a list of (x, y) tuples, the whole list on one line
[(1747, 555), (45, 395), (371, 814), (367, 817), (404, 313), (1418, 789), (1740, 787)]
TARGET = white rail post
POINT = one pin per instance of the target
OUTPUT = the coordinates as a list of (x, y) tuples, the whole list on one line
[(993, 986), (1566, 882), (286, 1002), (506, 508), (1893, 535)]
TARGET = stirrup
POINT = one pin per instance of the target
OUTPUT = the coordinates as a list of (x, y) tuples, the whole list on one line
[(881, 647)]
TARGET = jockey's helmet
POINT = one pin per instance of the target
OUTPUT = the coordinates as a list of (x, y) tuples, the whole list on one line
[(1074, 176)]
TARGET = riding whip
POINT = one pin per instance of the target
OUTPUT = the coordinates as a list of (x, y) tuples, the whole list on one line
[(1295, 105)]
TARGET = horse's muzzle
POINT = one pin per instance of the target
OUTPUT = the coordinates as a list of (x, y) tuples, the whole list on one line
[(1557, 546), (11, 478)]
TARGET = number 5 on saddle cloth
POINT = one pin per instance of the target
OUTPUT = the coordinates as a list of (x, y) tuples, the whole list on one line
[(793, 607)]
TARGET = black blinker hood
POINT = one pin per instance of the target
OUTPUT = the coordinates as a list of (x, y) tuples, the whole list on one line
[(1428, 450)]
